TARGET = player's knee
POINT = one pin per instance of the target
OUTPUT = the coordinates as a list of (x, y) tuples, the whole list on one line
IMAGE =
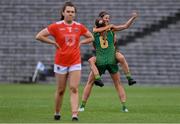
[(60, 92), (73, 89), (116, 83)]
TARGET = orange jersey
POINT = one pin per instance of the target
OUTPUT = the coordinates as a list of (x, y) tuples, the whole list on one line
[(68, 38)]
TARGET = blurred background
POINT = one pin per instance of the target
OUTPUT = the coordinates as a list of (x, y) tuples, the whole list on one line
[(151, 45)]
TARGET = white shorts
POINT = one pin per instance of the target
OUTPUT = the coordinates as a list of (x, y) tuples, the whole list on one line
[(64, 69)]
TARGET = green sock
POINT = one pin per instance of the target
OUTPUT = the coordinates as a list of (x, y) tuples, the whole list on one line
[(128, 75), (97, 77), (83, 104), (123, 105)]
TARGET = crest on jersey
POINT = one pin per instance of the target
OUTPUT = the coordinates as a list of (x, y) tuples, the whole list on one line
[(70, 39)]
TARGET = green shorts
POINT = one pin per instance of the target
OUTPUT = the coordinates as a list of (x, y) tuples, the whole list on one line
[(112, 68)]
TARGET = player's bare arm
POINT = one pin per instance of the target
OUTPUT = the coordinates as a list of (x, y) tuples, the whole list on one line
[(88, 38), (127, 24), (43, 37), (102, 28)]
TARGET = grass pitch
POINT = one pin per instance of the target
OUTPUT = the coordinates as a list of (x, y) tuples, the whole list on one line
[(34, 103)]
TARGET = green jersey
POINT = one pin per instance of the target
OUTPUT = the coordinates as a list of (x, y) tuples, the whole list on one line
[(105, 50)]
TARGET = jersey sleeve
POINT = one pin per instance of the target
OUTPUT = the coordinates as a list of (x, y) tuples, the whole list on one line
[(83, 29), (52, 29)]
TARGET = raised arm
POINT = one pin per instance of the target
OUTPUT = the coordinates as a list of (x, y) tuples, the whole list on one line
[(43, 37), (127, 24)]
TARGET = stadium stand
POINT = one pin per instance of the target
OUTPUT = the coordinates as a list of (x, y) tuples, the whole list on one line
[(151, 45)]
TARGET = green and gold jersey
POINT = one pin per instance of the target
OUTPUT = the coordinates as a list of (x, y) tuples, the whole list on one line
[(105, 50)]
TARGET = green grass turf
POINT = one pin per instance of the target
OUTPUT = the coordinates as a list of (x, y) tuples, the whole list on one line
[(35, 103)]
